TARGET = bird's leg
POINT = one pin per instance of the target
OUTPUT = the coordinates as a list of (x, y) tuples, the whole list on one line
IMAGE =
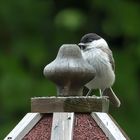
[(89, 92), (101, 93)]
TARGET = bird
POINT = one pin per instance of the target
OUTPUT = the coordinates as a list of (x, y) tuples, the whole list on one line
[(97, 53)]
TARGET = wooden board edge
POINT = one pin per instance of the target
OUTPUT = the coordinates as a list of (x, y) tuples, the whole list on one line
[(24, 126), (69, 104), (62, 126), (105, 105), (119, 127), (108, 126)]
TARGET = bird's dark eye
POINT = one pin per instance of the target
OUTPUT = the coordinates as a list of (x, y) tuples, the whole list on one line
[(82, 47), (89, 40)]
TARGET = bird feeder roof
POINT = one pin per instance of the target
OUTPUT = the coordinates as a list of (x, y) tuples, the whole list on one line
[(86, 126)]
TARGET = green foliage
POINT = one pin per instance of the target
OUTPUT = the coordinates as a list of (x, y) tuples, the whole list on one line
[(71, 19), (31, 33)]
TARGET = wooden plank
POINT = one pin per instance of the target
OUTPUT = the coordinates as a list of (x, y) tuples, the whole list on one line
[(108, 126), (24, 126), (69, 104), (125, 135), (62, 126)]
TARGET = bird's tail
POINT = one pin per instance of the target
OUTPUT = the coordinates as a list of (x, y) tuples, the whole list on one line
[(112, 97)]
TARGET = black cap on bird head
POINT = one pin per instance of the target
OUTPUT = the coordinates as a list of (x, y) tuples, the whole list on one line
[(89, 38)]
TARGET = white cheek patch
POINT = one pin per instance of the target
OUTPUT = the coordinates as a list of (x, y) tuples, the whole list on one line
[(99, 43)]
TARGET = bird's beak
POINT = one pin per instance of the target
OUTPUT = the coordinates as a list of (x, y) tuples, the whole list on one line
[(81, 44)]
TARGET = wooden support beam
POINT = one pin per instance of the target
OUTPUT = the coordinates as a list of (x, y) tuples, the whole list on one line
[(24, 126), (62, 126), (69, 104), (109, 126)]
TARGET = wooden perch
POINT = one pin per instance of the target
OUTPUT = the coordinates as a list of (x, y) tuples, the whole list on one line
[(69, 104), (70, 72)]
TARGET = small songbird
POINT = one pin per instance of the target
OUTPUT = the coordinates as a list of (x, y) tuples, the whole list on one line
[(96, 52)]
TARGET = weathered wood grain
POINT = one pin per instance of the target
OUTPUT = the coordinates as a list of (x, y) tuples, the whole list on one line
[(108, 126), (24, 126), (62, 126), (69, 104), (69, 71)]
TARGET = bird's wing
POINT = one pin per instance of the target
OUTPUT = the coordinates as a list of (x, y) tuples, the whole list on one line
[(111, 59), (110, 56), (112, 97)]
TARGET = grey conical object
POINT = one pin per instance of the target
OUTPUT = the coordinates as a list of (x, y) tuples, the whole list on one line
[(69, 71)]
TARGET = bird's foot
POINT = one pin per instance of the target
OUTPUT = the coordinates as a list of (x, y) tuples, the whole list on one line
[(89, 92)]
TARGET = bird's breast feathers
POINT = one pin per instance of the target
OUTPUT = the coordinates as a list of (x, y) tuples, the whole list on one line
[(99, 59)]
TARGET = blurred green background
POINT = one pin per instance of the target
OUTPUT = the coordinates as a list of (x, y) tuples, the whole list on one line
[(31, 32)]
